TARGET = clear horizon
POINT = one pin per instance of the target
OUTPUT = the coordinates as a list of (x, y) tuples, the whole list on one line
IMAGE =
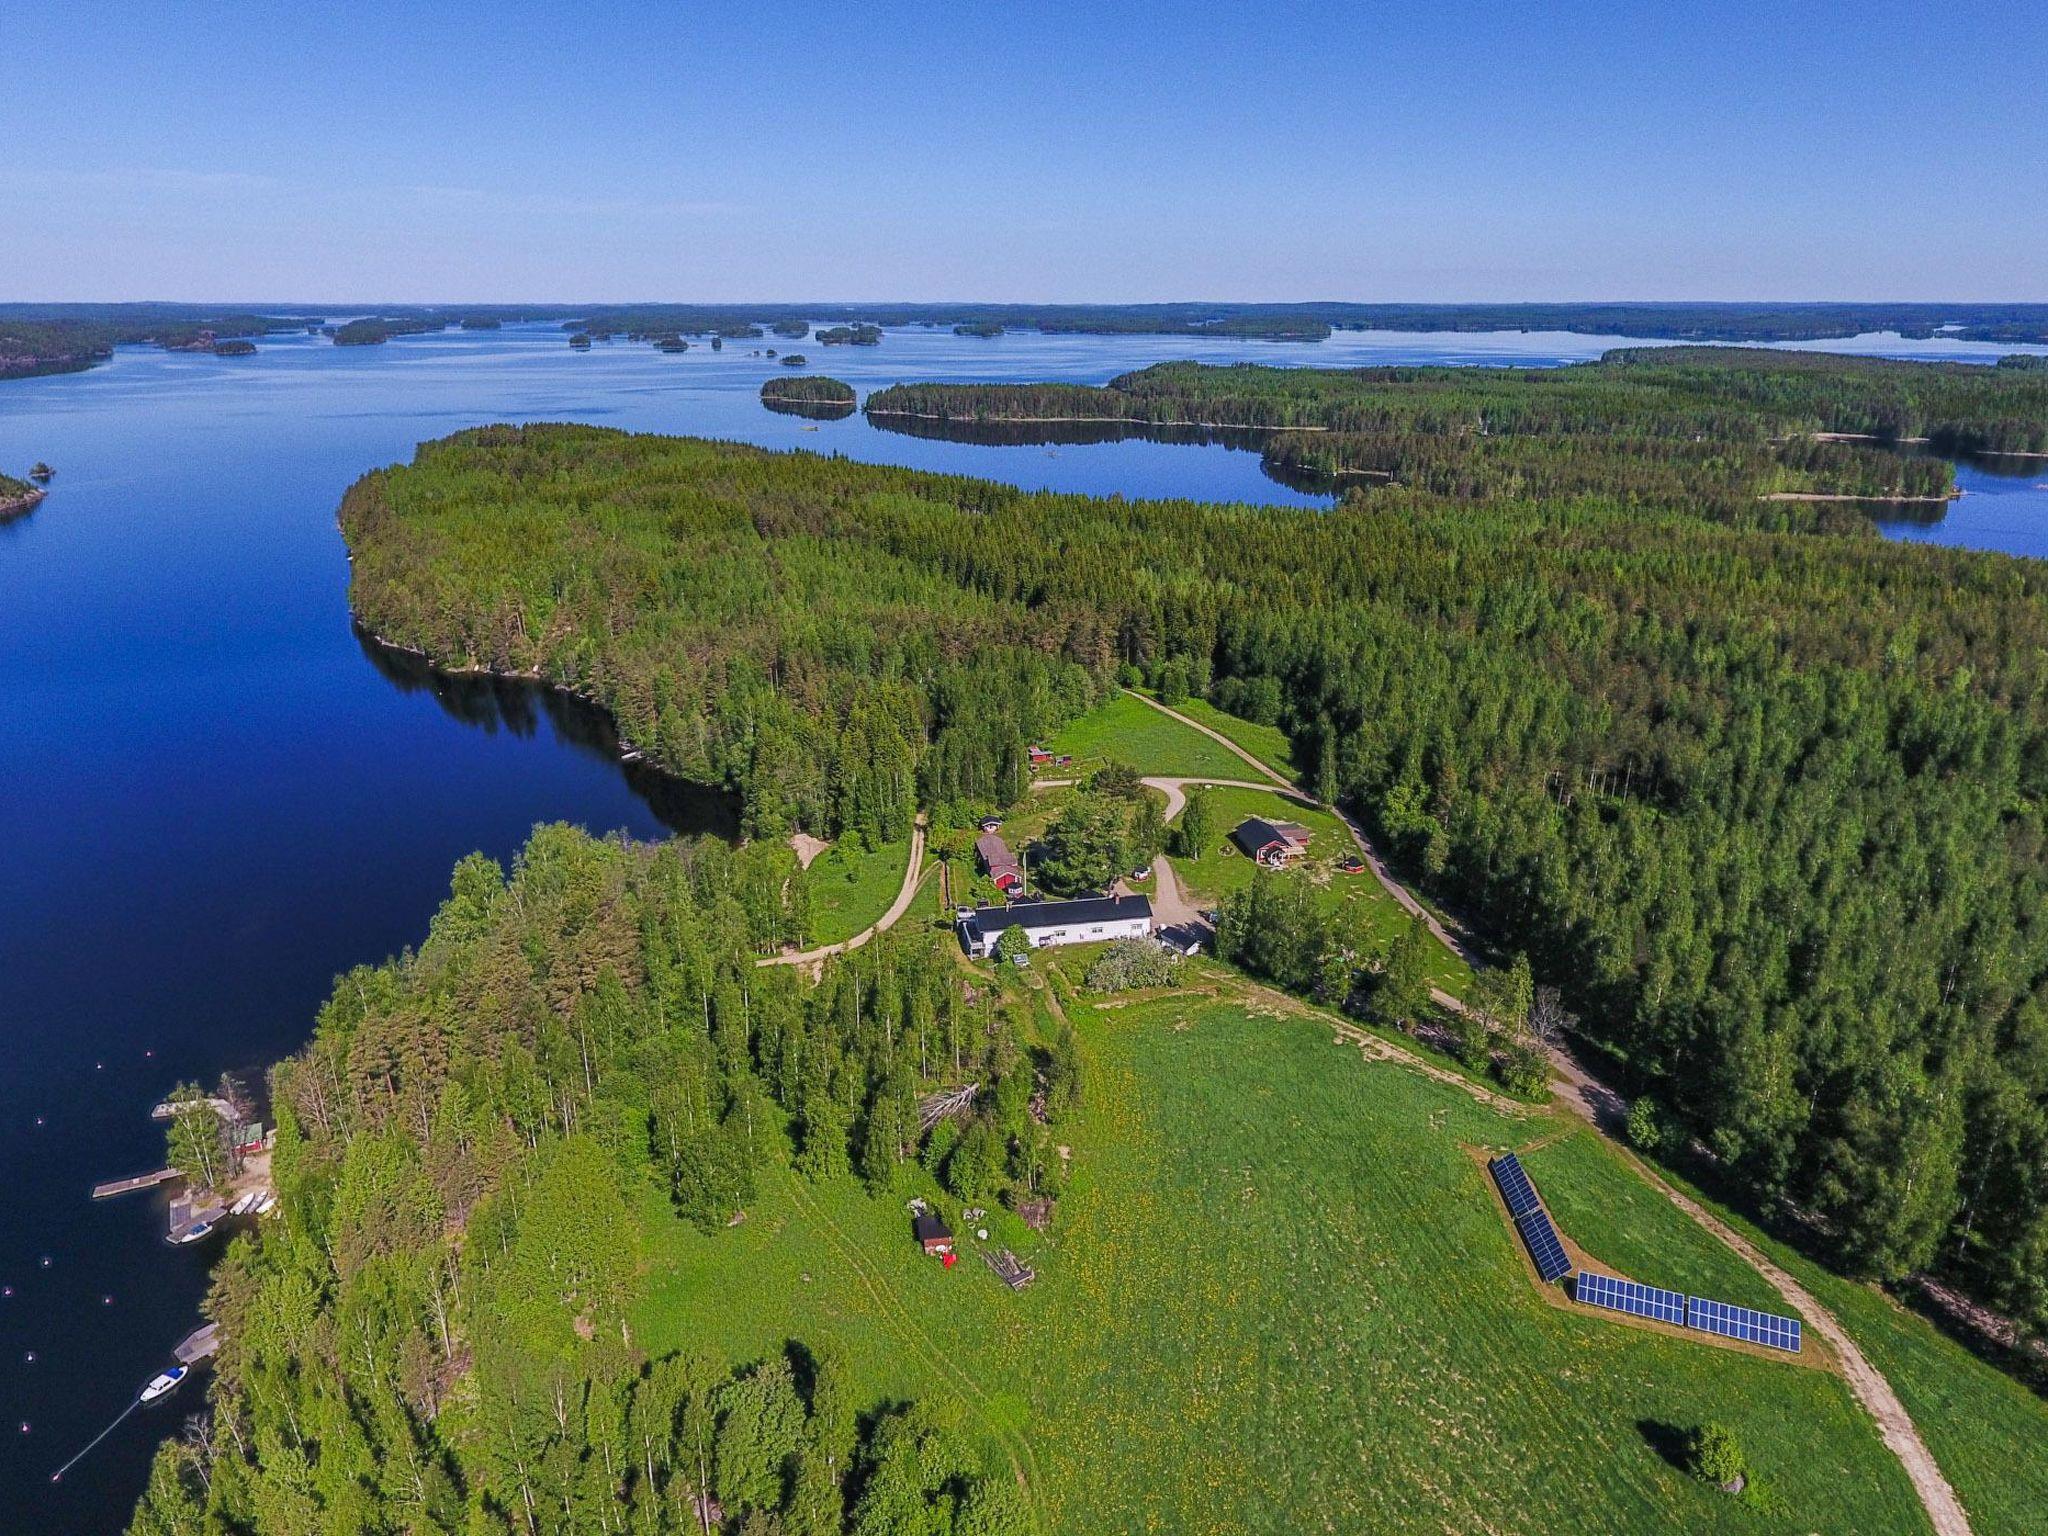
[(1604, 153)]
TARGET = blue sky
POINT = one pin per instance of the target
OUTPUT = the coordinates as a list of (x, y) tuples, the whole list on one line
[(1113, 152)]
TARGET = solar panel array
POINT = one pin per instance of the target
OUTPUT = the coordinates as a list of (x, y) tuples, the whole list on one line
[(1544, 1247), (1743, 1323), (1630, 1296), (1538, 1235), (1515, 1187)]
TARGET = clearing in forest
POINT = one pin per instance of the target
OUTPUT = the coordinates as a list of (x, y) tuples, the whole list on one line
[(1279, 1284)]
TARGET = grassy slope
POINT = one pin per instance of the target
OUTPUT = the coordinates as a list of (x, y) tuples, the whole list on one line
[(849, 891), (1133, 732), (1988, 1432), (1268, 743), (1624, 1225), (1280, 1296)]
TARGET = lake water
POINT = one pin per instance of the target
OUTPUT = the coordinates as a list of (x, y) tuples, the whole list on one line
[(214, 796)]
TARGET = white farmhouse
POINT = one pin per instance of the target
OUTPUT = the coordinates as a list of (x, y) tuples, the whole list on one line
[(1090, 920)]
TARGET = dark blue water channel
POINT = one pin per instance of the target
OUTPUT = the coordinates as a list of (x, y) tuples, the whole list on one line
[(214, 796)]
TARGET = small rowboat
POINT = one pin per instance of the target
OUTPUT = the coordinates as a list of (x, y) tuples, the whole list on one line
[(165, 1383), (264, 1205), (246, 1204), (193, 1233)]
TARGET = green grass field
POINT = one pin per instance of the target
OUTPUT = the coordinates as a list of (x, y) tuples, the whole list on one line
[(1624, 1225), (1127, 730), (1988, 1431), (1279, 1297), (1268, 743), (849, 891)]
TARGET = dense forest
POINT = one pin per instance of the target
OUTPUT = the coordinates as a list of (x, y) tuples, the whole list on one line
[(1677, 426), (436, 1337), (1768, 807)]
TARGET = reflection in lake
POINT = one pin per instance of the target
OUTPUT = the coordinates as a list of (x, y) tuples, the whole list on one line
[(1070, 434), (517, 706), (810, 410)]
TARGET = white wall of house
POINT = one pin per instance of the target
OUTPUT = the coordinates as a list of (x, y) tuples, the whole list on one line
[(984, 943)]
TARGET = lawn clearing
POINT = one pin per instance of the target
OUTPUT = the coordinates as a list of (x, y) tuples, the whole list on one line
[(1278, 1297), (850, 891), (1630, 1229), (1268, 743), (1130, 731), (1988, 1432)]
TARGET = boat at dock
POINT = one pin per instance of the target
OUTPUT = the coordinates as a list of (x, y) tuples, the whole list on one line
[(193, 1233), (246, 1204), (164, 1383)]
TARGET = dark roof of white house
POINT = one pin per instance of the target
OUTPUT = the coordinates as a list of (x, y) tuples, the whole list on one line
[(1061, 914)]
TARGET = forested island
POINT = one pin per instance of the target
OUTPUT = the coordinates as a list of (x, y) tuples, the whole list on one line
[(373, 331), (814, 396), (1758, 436), (234, 348), (982, 328), (1764, 805), (40, 339), (17, 497), (861, 335)]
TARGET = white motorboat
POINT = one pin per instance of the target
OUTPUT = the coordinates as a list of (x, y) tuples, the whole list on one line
[(193, 1233), (246, 1204), (165, 1383)]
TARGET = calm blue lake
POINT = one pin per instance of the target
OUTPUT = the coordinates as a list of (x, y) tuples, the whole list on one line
[(213, 798)]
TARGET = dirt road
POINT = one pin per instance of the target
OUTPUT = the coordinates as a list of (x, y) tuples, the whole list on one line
[(886, 921)]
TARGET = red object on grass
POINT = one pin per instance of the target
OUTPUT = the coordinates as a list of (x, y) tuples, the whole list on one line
[(946, 1259)]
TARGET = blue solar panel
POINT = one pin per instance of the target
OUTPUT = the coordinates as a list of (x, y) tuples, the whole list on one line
[(1630, 1296), (1544, 1248), (1743, 1323), (1515, 1187)]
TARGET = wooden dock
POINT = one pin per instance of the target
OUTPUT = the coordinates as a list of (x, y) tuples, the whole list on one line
[(128, 1186), (198, 1345)]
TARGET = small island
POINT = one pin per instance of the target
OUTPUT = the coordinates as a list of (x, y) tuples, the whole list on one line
[(18, 497), (794, 360), (236, 347), (851, 335), (796, 329), (373, 332), (978, 328), (580, 341), (817, 397)]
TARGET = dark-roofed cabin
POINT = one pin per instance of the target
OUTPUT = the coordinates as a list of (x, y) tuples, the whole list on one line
[(1272, 843), (1090, 920), (933, 1235)]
